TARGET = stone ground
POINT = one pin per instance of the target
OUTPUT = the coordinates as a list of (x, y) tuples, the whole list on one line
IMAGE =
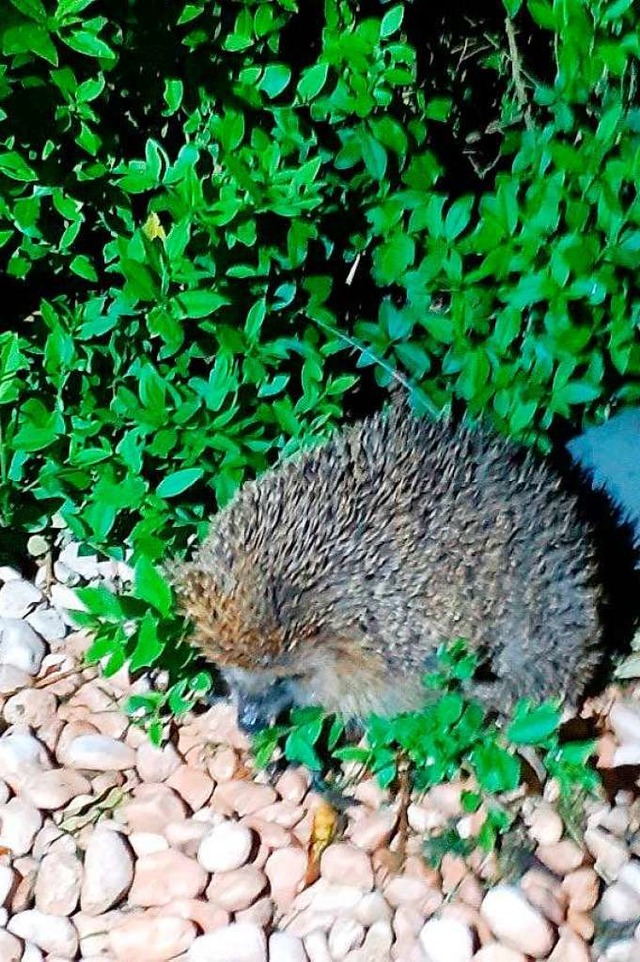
[(113, 851)]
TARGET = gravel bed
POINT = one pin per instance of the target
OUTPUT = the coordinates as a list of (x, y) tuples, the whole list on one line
[(112, 850)]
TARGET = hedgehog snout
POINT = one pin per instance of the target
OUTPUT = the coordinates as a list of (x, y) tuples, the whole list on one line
[(260, 709)]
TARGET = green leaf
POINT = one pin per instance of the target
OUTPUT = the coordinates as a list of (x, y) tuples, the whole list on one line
[(533, 725), (393, 258), (83, 267), (275, 78), (150, 586), (173, 94), (201, 303), (148, 646), (13, 165), (29, 38), (313, 80), (495, 768), (458, 217), (391, 20), (100, 601), (178, 482), (88, 43)]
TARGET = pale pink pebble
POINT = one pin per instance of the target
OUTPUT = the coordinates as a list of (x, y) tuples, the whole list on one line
[(146, 843), (446, 940), (10, 947), (498, 953), (161, 877), (237, 942), (72, 713), (316, 947), (51, 838), (377, 945), (551, 904), (371, 908), (193, 785), (152, 938), (93, 931), (407, 921), (582, 888), (112, 723), (186, 835), (21, 821), (416, 867), (325, 896), (308, 920), (108, 871), (515, 922), (624, 718), (609, 852), (606, 748), (563, 857), (271, 834), (370, 793), (286, 869), (346, 864), (32, 706), (260, 913), (69, 733), (293, 785), (244, 797), (373, 830), (58, 883), (22, 894), (447, 798), (303, 830), (8, 881), (207, 916), (470, 891), (545, 825), (156, 764), (237, 889), (221, 726), (51, 933), (5, 791), (285, 947), (345, 934), (91, 695), (50, 734), (152, 807), (52, 790), (407, 950), (405, 890), (570, 948), (425, 818), (21, 754), (223, 765), (282, 813), (453, 869), (136, 736)]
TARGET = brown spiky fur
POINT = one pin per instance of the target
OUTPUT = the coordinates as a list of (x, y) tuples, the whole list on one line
[(343, 571)]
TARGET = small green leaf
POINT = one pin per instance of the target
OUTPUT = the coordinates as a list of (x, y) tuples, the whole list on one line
[(275, 78), (391, 20), (148, 646), (313, 80), (533, 725), (150, 586), (178, 482)]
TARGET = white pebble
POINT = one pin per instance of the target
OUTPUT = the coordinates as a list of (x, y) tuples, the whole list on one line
[(7, 881), (108, 871), (284, 947), (21, 754), (99, 753), (225, 847), (48, 623), (446, 940), (625, 721), (9, 574), (239, 941), (53, 934), (346, 934), (84, 565), (316, 947), (21, 822), (21, 646), (517, 923), (18, 597)]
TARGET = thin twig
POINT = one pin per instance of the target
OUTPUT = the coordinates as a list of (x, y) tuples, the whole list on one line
[(518, 83)]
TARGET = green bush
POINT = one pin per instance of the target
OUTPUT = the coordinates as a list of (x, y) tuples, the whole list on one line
[(452, 734), (210, 231)]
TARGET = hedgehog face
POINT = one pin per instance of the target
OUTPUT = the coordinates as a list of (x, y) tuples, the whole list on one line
[(259, 696)]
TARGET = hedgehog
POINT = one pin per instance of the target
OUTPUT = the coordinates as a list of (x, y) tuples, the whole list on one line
[(335, 577)]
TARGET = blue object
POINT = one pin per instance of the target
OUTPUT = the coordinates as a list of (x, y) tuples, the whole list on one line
[(610, 456)]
